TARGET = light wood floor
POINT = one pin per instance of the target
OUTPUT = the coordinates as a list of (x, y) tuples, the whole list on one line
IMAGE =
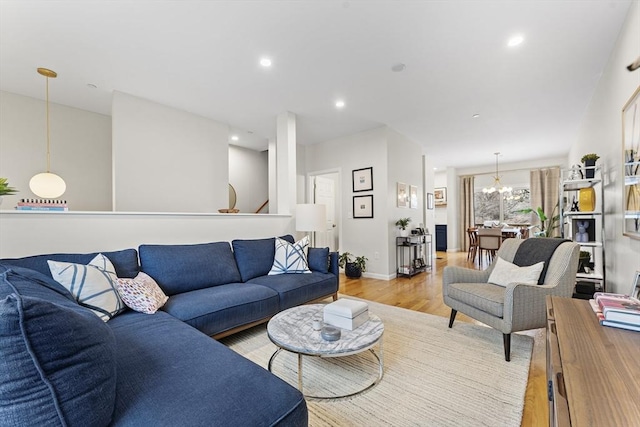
[(423, 292)]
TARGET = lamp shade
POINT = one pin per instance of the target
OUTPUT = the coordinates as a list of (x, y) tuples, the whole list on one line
[(311, 217), (47, 185)]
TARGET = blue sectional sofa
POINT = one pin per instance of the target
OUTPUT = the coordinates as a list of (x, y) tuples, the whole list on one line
[(62, 365)]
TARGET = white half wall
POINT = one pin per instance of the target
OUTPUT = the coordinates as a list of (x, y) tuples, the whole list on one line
[(601, 133), (167, 160), (80, 150), (249, 175)]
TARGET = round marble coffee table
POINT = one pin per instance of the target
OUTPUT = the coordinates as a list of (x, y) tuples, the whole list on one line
[(292, 330)]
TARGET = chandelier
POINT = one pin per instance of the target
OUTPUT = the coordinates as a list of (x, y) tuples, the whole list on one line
[(497, 186)]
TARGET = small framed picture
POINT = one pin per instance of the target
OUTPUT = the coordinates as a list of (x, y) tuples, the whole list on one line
[(440, 196), (403, 195), (413, 196), (363, 206), (362, 179), (635, 286), (429, 200)]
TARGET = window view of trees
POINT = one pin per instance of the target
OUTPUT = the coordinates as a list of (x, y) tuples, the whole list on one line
[(503, 207)]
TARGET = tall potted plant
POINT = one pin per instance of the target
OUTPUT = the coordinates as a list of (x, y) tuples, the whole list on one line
[(353, 266), (548, 223), (402, 224), (589, 161)]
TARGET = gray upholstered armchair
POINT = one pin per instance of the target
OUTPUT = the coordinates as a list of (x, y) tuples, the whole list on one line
[(516, 307)]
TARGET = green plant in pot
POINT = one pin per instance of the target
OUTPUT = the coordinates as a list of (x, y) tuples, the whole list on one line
[(402, 224), (5, 190), (589, 161), (353, 266), (548, 223)]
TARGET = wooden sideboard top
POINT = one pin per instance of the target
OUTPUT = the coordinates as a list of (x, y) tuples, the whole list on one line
[(600, 366)]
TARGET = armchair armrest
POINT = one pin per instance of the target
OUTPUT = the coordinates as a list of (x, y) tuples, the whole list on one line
[(453, 274), (525, 306)]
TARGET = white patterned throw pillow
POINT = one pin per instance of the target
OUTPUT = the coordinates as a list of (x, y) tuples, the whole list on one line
[(290, 257), (142, 293), (505, 272), (92, 285)]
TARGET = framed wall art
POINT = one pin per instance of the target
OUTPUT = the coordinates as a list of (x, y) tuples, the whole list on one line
[(631, 166), (413, 196), (362, 179), (403, 195), (440, 195), (363, 206), (635, 286)]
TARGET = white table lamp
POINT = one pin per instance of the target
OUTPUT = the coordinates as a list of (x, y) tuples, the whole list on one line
[(311, 218)]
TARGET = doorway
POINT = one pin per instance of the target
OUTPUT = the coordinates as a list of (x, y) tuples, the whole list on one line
[(324, 189)]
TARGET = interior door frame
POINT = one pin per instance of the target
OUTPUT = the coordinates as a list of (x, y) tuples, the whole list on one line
[(337, 193)]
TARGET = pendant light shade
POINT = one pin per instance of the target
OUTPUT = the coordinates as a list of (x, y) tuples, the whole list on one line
[(46, 184), (497, 185)]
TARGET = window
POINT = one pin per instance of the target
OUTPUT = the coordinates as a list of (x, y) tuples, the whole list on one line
[(504, 207)]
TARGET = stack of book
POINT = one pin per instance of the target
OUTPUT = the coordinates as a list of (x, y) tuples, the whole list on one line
[(42, 205), (617, 310)]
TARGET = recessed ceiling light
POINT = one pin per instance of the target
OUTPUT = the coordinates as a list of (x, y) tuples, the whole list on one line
[(398, 67), (515, 40), (265, 62), (339, 103), (92, 86), (475, 116), (234, 137)]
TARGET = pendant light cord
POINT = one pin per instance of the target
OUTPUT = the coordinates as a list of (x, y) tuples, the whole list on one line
[(48, 142)]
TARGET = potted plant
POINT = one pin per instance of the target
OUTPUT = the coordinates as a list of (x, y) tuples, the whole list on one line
[(402, 224), (5, 190), (353, 266), (548, 223), (589, 161)]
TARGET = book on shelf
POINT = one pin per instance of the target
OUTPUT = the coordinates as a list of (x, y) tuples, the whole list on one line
[(42, 205), (43, 208)]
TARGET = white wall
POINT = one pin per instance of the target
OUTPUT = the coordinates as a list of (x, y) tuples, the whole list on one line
[(249, 175), (80, 150), (601, 133), (404, 164), (167, 160), (30, 233), (366, 237)]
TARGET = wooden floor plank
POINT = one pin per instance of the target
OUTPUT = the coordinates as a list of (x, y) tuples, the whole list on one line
[(423, 292)]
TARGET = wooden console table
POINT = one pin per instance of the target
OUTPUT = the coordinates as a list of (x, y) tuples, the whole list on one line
[(593, 371)]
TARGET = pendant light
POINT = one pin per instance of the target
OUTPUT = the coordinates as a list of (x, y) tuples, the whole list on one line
[(497, 186), (46, 184)]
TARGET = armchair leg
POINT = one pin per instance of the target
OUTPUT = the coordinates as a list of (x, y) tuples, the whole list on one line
[(506, 338), (452, 317)]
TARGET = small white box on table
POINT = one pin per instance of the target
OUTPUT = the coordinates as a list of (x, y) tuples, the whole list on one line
[(346, 313)]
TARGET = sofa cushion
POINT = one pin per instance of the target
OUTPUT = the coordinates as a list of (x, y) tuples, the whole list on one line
[(296, 289), (183, 268), (57, 364), (255, 256), (24, 281), (220, 308), (124, 261), (141, 293), (318, 259), (93, 285), (290, 257), (169, 374)]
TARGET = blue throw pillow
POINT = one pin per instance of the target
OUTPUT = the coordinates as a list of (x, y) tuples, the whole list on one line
[(318, 259), (255, 256), (57, 364)]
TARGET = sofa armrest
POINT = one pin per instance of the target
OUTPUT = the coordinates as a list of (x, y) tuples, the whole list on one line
[(333, 263)]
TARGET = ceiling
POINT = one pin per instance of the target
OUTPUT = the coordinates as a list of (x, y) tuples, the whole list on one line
[(203, 57)]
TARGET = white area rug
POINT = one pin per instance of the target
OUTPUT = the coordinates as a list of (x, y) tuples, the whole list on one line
[(433, 375)]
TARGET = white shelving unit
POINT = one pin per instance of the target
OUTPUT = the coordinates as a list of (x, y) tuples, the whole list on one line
[(569, 191)]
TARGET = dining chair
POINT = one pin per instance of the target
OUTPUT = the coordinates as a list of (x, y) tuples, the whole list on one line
[(472, 232), (489, 241)]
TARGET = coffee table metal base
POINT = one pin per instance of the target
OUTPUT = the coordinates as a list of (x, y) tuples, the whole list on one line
[(379, 358)]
